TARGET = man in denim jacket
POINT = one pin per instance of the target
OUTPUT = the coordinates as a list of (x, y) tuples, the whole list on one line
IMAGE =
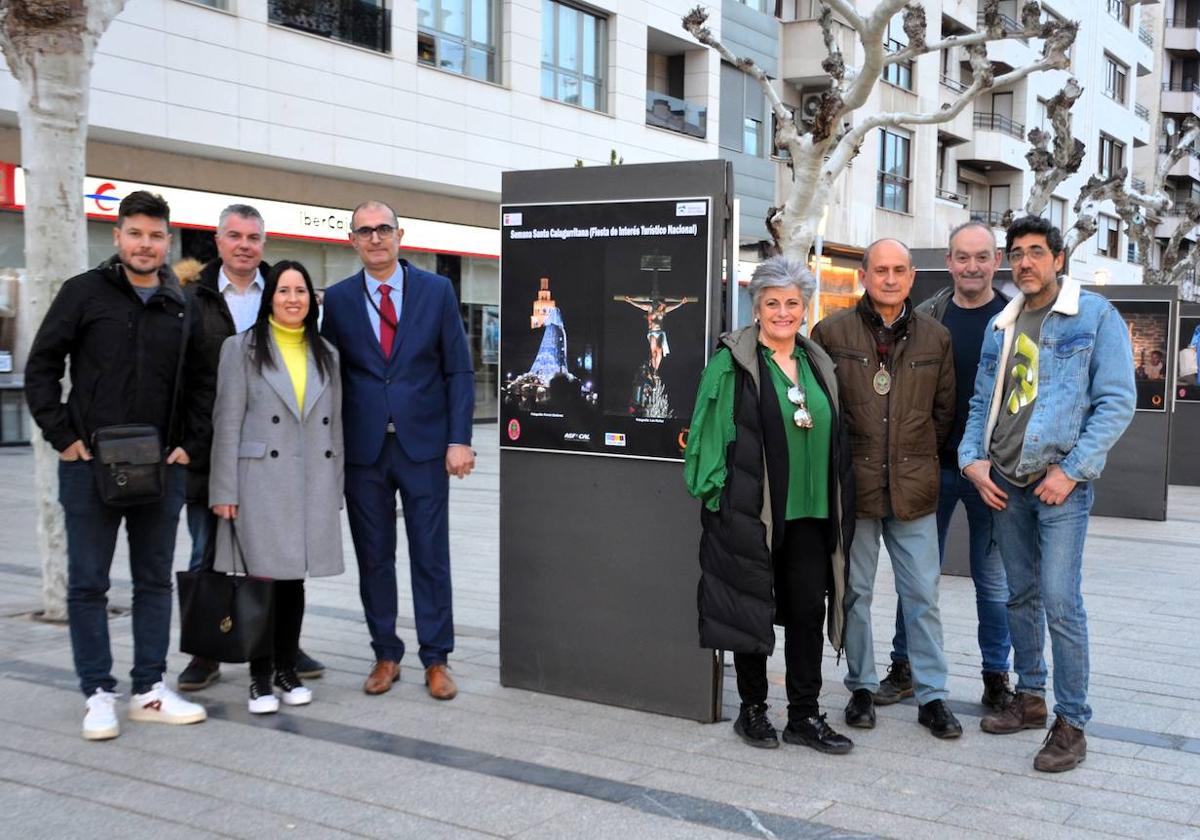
[(1053, 394)]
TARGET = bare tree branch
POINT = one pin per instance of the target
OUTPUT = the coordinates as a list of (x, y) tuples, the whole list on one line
[(820, 151), (1052, 166)]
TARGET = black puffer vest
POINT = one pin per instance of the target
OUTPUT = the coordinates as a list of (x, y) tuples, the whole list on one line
[(736, 596), (736, 593)]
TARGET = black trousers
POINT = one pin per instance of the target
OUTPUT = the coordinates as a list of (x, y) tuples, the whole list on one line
[(289, 615), (802, 578)]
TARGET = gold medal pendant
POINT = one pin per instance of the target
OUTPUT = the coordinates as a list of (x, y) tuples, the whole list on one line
[(882, 383)]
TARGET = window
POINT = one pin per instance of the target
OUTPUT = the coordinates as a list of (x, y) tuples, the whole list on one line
[(1056, 212), (1043, 114), (1112, 156), (1108, 236), (752, 136), (894, 180), (1118, 10), (364, 23), (743, 114), (895, 40), (459, 36), (573, 55), (1115, 76), (758, 5)]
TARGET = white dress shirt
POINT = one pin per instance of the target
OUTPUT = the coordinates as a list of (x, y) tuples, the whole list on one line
[(243, 306)]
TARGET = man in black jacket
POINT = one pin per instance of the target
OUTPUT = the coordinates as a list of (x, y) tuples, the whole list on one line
[(121, 326), (965, 308), (227, 295)]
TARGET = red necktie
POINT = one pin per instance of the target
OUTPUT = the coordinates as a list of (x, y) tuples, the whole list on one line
[(387, 321)]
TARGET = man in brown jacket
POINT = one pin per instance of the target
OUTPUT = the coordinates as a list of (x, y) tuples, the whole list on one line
[(895, 372)]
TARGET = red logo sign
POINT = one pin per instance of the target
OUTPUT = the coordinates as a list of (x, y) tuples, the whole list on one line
[(514, 429), (105, 201)]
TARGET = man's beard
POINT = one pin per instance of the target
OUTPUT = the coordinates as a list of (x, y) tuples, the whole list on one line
[(133, 270)]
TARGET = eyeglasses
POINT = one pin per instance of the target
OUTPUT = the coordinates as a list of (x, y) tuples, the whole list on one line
[(798, 398), (366, 232), (1035, 253)]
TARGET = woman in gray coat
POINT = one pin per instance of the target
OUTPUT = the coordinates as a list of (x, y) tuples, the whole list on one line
[(277, 465)]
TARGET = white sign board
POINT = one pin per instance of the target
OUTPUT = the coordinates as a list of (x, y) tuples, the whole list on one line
[(198, 209)]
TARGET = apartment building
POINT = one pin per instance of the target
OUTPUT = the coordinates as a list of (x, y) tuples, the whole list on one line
[(916, 184), (305, 108), (1178, 78)]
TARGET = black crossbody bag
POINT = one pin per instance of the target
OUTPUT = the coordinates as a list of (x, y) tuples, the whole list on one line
[(129, 461)]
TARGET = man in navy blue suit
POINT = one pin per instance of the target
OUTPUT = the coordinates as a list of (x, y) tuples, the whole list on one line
[(408, 399)]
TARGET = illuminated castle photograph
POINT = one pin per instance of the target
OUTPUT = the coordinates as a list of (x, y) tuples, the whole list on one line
[(549, 381)]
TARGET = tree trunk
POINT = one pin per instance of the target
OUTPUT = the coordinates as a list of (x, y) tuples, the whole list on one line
[(49, 47)]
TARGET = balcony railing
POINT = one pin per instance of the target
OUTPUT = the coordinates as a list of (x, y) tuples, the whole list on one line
[(999, 122), (954, 84), (1146, 36), (995, 218), (1165, 146), (1183, 23), (1178, 199), (1142, 112), (1006, 23), (1186, 86), (360, 22), (676, 114), (948, 195)]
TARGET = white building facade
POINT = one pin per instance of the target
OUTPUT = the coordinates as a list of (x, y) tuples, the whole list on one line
[(916, 184), (311, 107)]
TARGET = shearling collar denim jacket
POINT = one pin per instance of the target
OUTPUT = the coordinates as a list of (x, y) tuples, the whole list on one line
[(1086, 393)]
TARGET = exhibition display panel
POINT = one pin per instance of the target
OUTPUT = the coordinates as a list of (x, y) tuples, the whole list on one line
[(610, 304)]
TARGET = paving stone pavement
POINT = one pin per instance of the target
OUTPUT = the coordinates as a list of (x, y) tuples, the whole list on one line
[(498, 762)]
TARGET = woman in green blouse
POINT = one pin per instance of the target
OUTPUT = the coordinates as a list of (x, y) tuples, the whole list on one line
[(767, 456)]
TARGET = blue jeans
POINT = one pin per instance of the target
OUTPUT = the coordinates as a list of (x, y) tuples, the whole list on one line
[(913, 549), (92, 528), (202, 525), (1042, 547), (987, 571)]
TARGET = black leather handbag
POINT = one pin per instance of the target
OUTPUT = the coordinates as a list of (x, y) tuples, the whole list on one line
[(129, 464), (226, 617)]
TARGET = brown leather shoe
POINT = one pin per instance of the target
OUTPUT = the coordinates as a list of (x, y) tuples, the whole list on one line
[(440, 683), (383, 674), (1025, 711), (1065, 748)]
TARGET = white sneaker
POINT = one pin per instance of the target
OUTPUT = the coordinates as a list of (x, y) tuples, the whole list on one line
[(294, 693), (100, 720), (162, 705), (262, 700)]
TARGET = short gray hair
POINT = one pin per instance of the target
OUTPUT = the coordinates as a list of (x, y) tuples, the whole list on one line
[(973, 223), (243, 210), (779, 273)]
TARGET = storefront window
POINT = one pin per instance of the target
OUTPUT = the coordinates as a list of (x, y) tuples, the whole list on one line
[(839, 285)]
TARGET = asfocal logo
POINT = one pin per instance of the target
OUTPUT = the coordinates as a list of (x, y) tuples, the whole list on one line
[(581, 437)]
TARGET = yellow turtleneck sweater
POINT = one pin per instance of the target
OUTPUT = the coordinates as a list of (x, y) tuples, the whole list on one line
[(294, 348)]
